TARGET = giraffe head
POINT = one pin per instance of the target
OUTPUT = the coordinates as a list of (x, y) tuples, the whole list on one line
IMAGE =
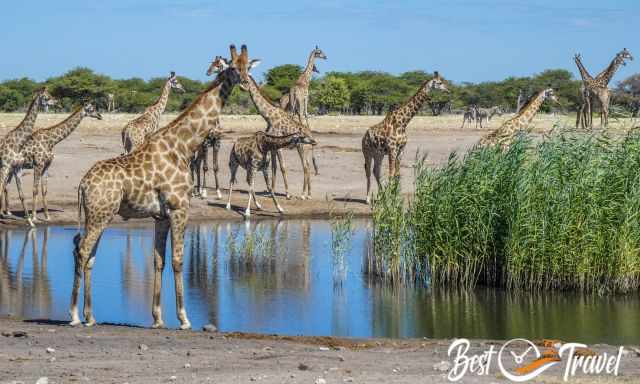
[(318, 54), (175, 84), (437, 83), (237, 69), (624, 55), (89, 110), (550, 94), (43, 95)]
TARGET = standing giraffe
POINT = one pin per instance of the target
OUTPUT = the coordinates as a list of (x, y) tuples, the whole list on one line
[(152, 181), (389, 137), (11, 144), (298, 96), (134, 133), (252, 154), (280, 123), (520, 122), (598, 86), (37, 152)]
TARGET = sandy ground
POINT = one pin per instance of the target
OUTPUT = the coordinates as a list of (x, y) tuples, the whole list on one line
[(340, 184), (119, 354)]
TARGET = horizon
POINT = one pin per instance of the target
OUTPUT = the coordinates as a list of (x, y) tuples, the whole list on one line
[(125, 39)]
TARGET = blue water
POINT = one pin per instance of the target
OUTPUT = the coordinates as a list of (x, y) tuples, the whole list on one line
[(289, 283)]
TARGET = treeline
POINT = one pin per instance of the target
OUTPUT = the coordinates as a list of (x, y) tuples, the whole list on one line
[(366, 92)]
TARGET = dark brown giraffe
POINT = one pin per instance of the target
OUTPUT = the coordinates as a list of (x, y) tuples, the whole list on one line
[(152, 181), (389, 137)]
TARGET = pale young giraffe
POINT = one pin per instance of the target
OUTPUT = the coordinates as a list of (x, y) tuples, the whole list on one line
[(37, 152), (521, 122), (134, 133), (389, 137), (252, 153), (298, 100), (12, 143), (152, 181), (598, 86), (280, 123)]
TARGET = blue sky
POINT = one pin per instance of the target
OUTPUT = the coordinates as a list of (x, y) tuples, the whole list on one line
[(464, 40)]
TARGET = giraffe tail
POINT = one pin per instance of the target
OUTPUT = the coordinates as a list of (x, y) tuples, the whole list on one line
[(314, 161), (80, 205)]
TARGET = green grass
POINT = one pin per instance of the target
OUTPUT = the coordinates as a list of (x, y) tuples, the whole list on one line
[(561, 213)]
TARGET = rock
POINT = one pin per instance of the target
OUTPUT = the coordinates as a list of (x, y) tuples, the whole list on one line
[(348, 380), (325, 349), (43, 380), (267, 348), (636, 350), (172, 378), (187, 365), (143, 347), (443, 366), (14, 334), (303, 367), (320, 380), (50, 350), (210, 328), (52, 360), (341, 358)]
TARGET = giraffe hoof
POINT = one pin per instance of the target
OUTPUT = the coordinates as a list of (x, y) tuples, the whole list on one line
[(247, 215), (280, 210), (228, 206), (218, 194), (203, 194), (186, 325), (158, 325), (75, 322), (47, 218), (90, 323), (289, 197)]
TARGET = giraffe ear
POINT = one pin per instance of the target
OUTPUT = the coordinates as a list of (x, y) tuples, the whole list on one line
[(254, 63)]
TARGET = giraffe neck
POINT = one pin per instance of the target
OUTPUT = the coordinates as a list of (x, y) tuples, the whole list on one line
[(305, 76), (59, 132), (527, 112), (25, 128), (185, 134), (401, 116), (607, 74), (265, 107), (268, 143), (159, 106), (583, 71)]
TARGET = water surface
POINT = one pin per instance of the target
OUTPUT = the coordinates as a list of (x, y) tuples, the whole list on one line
[(285, 279)]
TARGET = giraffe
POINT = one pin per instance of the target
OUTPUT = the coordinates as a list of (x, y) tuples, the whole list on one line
[(598, 86), (252, 154), (152, 181), (520, 122), (298, 97), (389, 137), (134, 133), (37, 152), (280, 123), (199, 166), (284, 100), (11, 144)]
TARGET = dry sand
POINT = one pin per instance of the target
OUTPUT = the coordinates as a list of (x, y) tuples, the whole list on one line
[(340, 184)]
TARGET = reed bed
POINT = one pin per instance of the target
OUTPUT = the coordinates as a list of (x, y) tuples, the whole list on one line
[(559, 213)]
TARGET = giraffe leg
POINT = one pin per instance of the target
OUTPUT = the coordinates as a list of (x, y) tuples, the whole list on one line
[(377, 168), (205, 169), (178, 220), (233, 168), (27, 216), (161, 231), (247, 212), (306, 187), (265, 173), (5, 179), (84, 254), (253, 193), (367, 170), (44, 181), (216, 168), (283, 169), (37, 177)]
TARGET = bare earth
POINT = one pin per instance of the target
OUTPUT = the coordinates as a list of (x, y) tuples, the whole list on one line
[(113, 354), (340, 184)]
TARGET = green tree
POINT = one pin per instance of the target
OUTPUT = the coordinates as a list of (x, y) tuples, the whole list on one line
[(281, 78), (333, 94)]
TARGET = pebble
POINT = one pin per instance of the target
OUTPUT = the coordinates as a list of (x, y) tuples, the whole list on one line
[(303, 367), (143, 347), (172, 378), (50, 350), (340, 358), (348, 380), (210, 328), (187, 365), (52, 360), (43, 380), (325, 349), (443, 366), (320, 380)]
